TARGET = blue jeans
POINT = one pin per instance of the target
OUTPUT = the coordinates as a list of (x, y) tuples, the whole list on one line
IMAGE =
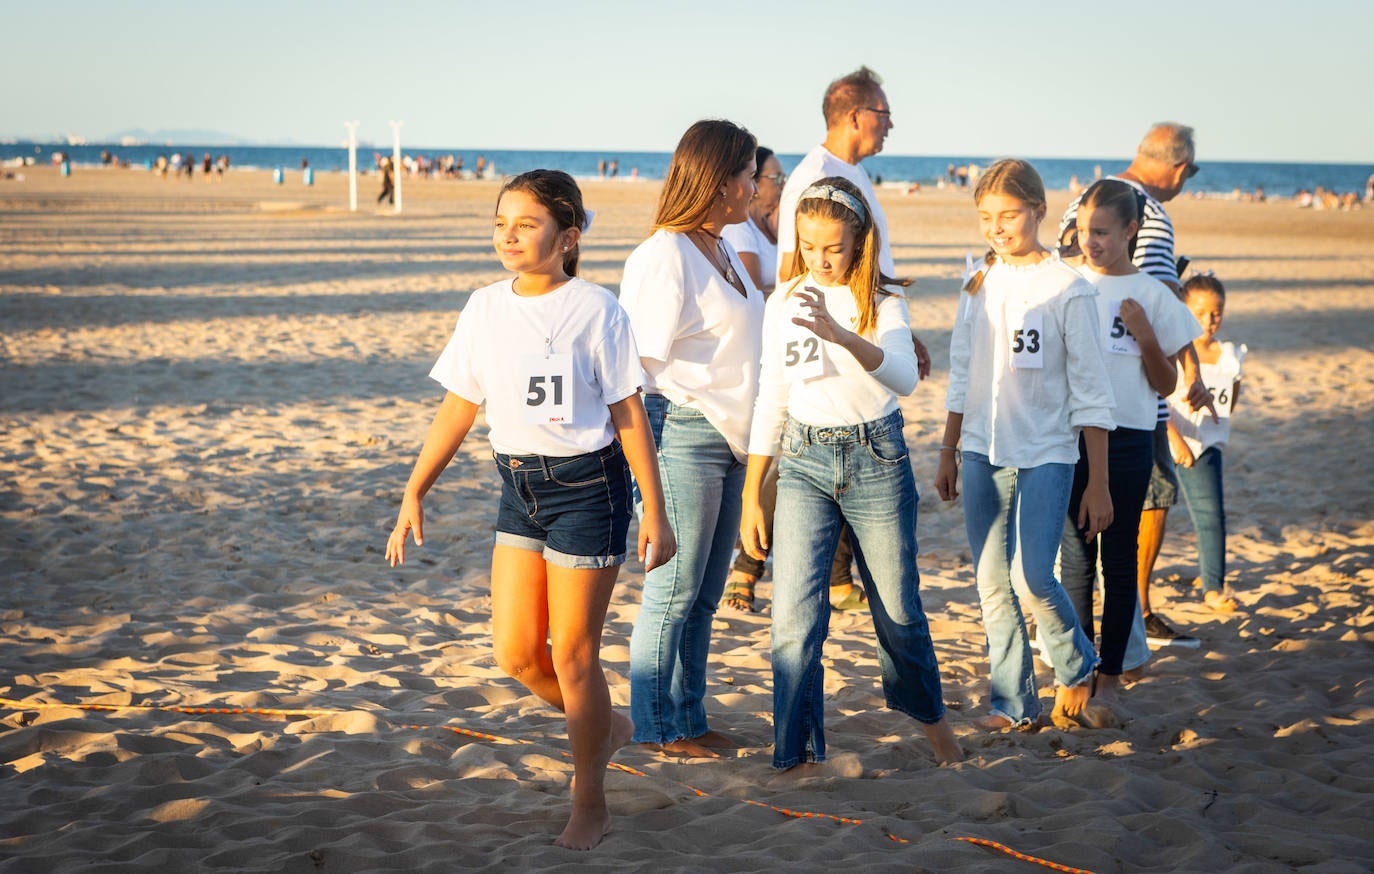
[(827, 476), (1130, 458), (702, 486), (1202, 490), (1014, 519)]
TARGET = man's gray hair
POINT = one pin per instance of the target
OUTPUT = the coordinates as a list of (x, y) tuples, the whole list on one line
[(1169, 143)]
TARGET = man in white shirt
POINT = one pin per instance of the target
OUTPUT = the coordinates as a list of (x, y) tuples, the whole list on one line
[(857, 120)]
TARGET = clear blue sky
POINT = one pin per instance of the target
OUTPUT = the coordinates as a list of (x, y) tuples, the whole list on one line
[(1282, 81)]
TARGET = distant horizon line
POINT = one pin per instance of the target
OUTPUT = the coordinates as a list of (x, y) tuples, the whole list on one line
[(63, 141)]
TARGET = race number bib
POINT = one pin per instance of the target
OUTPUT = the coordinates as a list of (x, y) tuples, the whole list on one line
[(1223, 398), (803, 353), (548, 384), (1027, 332), (1115, 336)]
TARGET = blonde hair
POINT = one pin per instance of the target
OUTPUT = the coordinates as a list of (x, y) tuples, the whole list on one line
[(865, 279), (1013, 178), (710, 152)]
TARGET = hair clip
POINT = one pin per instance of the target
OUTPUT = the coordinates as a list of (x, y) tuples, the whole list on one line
[(587, 222)]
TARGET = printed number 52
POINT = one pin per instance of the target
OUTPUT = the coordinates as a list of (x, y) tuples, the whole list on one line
[(1118, 328), (1025, 341), (537, 395), (794, 356)]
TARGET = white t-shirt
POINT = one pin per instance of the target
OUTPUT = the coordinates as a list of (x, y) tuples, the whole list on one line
[(749, 237), (820, 383), (1196, 426), (1174, 326), (818, 164), (698, 337), (547, 367), (1025, 365)]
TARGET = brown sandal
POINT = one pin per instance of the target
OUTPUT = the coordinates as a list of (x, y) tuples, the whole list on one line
[(739, 592)]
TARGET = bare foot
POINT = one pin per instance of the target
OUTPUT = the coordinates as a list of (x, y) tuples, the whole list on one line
[(1134, 675), (1068, 705), (587, 826), (1107, 689), (683, 749), (716, 741), (995, 722), (943, 743), (622, 730), (1220, 602)]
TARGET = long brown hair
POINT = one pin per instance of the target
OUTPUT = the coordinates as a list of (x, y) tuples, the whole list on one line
[(1014, 178), (865, 279), (710, 152), (557, 192)]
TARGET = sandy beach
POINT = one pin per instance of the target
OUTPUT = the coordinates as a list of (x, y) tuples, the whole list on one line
[(211, 394)]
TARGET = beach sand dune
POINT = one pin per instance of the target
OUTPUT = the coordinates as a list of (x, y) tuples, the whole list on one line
[(211, 396)]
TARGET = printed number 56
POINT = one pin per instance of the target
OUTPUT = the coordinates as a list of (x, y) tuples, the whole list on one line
[(537, 395), (1025, 341)]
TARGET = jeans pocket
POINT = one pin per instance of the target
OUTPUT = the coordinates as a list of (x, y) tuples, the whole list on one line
[(889, 448), (586, 470), (792, 443)]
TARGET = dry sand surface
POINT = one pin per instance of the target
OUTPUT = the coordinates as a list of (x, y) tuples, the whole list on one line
[(212, 394)]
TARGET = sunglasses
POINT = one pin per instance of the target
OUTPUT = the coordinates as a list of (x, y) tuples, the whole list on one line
[(1191, 171), (777, 178)]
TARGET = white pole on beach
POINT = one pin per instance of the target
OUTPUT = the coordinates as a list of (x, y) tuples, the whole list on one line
[(396, 159), (352, 165)]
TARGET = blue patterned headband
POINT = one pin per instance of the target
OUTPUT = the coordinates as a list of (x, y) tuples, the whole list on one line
[(844, 198)]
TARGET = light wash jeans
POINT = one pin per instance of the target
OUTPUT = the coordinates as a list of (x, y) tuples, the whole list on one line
[(827, 476), (1015, 518), (702, 485), (1202, 490)]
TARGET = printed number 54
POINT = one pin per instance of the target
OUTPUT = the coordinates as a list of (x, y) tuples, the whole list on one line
[(537, 395)]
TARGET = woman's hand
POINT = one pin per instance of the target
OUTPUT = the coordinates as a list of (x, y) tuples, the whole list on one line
[(1095, 510), (947, 475), (411, 518), (753, 531), (656, 541)]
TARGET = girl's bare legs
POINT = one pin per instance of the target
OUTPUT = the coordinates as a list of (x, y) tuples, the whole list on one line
[(532, 603)]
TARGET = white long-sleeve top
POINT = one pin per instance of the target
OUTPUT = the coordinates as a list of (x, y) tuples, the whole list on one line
[(820, 383), (1026, 367)]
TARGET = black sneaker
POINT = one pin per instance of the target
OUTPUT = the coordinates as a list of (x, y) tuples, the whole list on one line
[(1158, 633)]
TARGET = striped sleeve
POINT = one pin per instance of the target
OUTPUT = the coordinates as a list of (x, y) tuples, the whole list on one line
[(1154, 248)]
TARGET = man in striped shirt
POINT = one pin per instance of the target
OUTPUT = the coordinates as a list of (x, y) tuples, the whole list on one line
[(1164, 162)]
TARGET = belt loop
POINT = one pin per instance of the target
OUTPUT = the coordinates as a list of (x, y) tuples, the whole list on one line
[(863, 432)]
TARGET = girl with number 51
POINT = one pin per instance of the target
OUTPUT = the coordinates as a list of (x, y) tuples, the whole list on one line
[(553, 358)]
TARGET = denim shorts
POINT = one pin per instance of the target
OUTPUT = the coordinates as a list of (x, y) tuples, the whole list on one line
[(1163, 491), (575, 510)]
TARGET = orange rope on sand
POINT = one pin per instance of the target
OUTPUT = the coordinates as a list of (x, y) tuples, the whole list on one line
[(12, 704), (1023, 857)]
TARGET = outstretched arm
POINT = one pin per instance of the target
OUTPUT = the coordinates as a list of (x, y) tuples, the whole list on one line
[(451, 424)]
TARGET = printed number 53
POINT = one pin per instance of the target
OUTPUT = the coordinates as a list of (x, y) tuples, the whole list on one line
[(1025, 341), (537, 395)]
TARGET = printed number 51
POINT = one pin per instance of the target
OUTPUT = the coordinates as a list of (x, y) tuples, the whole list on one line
[(537, 395)]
